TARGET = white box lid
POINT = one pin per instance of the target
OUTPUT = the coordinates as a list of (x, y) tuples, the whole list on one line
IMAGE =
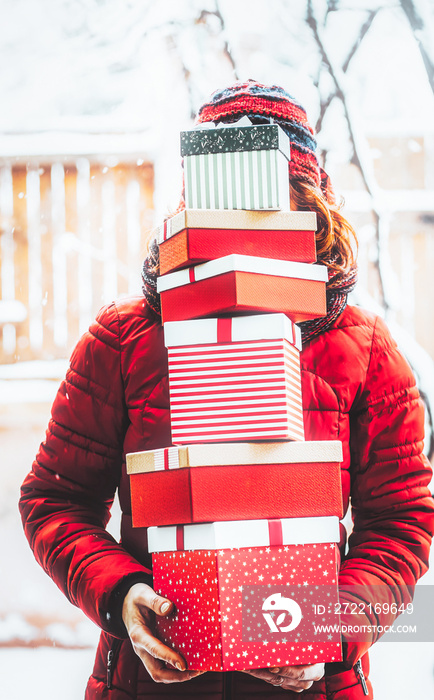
[(254, 327), (242, 263), (243, 533)]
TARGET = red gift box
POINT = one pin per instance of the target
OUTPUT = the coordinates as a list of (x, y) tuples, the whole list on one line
[(242, 283), (248, 388), (254, 606), (246, 480), (202, 238), (193, 246)]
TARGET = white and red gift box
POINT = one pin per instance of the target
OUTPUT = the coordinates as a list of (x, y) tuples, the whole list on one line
[(198, 235), (227, 598), (244, 283), (234, 379), (242, 481)]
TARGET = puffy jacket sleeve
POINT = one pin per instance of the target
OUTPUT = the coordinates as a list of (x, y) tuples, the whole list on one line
[(393, 510), (66, 499)]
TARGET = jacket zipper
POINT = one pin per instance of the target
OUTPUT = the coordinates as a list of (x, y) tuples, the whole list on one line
[(111, 661), (359, 672), (227, 685)]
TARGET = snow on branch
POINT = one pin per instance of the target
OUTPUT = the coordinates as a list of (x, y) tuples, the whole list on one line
[(227, 51), (361, 155), (326, 102), (422, 25)]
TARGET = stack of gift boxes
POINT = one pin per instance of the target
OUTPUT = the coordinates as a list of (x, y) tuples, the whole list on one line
[(243, 513)]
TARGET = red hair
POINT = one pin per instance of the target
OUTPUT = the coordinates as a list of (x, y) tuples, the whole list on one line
[(336, 240)]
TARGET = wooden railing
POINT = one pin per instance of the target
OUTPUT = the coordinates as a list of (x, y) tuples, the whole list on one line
[(72, 237)]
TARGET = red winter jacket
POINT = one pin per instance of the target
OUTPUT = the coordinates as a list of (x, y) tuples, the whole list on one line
[(357, 388)]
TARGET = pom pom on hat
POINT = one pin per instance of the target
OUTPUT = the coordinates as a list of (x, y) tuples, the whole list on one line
[(256, 100)]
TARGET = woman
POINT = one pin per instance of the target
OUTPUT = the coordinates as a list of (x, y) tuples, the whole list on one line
[(356, 388)]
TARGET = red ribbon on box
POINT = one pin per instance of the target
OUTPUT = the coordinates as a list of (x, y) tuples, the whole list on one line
[(166, 458), (224, 330), (179, 538), (275, 532), (224, 327)]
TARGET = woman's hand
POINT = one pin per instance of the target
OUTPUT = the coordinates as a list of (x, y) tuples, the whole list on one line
[(296, 678), (140, 604)]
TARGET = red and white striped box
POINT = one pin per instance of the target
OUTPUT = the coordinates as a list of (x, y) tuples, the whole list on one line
[(235, 379), (232, 582)]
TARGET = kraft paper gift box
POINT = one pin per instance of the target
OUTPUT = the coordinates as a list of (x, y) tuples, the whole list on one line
[(249, 594), (234, 379), (206, 235), (242, 481), (243, 283), (236, 167)]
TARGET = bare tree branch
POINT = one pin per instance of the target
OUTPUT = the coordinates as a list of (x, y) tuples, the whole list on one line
[(361, 35), (360, 151), (422, 36), (226, 47), (172, 43), (332, 6), (325, 103), (340, 93)]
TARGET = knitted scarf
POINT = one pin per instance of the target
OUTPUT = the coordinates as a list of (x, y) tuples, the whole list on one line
[(337, 289)]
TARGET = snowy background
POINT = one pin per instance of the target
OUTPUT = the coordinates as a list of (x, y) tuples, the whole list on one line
[(105, 83)]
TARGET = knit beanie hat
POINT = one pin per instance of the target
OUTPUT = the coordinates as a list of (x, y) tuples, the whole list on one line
[(261, 103)]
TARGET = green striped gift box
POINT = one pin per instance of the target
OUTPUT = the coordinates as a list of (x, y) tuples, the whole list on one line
[(237, 180)]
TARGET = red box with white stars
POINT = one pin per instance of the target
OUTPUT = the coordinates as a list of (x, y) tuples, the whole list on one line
[(253, 607)]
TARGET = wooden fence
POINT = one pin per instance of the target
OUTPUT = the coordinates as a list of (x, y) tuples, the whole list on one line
[(72, 237)]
